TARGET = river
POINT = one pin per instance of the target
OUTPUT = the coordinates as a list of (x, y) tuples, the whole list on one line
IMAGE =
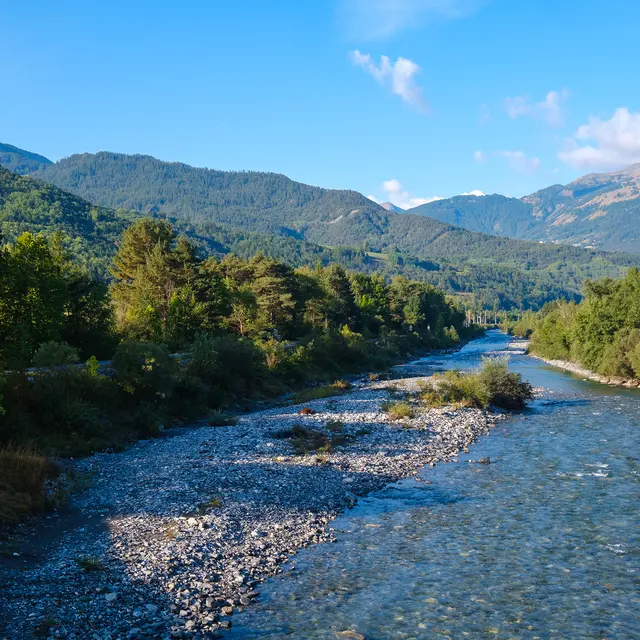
[(542, 543)]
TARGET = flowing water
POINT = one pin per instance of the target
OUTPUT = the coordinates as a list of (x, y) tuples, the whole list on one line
[(542, 543)]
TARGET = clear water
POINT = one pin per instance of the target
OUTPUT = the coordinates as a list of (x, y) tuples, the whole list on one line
[(542, 543)]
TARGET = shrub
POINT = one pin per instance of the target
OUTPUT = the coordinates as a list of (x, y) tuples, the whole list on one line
[(398, 410), (455, 388), (23, 474), (144, 369), (54, 354), (506, 389), (492, 384), (148, 419)]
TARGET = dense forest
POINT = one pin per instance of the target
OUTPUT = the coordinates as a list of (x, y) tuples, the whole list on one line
[(241, 212), (90, 234), (277, 325), (601, 333)]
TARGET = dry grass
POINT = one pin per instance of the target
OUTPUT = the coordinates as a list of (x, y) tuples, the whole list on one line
[(398, 410), (338, 388), (22, 484)]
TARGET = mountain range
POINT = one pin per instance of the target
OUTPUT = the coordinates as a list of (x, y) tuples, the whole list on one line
[(245, 212), (599, 210)]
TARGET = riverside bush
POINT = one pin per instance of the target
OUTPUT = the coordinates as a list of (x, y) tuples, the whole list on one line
[(492, 384), (53, 354)]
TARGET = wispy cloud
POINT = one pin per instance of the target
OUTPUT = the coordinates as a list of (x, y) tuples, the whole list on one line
[(551, 109), (614, 142), (519, 161), (379, 19), (479, 156), (398, 76), (396, 195)]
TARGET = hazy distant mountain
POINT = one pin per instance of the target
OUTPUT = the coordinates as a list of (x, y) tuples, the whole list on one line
[(600, 210), (19, 160)]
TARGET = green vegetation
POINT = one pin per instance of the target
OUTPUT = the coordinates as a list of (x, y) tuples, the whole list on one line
[(23, 474), (602, 333), (492, 384), (305, 441), (301, 225), (87, 563), (219, 418), (398, 410), (186, 335)]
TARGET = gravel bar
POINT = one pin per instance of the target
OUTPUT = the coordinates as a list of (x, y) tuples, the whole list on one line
[(174, 535)]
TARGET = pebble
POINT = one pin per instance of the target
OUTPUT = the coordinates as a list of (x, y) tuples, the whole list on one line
[(196, 521)]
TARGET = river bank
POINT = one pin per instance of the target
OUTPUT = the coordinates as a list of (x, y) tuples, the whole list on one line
[(174, 535), (572, 367)]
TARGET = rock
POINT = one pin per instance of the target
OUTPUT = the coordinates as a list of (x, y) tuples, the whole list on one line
[(485, 461), (189, 624), (152, 609), (350, 635), (111, 597)]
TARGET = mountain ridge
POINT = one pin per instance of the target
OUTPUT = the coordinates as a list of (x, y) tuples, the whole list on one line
[(597, 210)]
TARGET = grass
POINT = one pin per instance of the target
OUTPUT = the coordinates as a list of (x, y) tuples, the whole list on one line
[(221, 419), (305, 440), (337, 388), (23, 474), (87, 563), (398, 410)]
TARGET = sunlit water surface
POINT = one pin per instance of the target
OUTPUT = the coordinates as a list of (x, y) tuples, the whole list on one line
[(541, 543)]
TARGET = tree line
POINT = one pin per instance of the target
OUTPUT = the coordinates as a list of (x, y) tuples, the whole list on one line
[(242, 328), (601, 333)]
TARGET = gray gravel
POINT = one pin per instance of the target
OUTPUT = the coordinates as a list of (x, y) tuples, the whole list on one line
[(176, 534)]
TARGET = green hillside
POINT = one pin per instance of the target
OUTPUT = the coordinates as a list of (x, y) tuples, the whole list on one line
[(247, 212), (19, 160)]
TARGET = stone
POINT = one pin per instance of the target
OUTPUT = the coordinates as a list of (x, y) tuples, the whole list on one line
[(111, 597)]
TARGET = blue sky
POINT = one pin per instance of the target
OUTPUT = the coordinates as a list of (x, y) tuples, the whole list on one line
[(401, 99)]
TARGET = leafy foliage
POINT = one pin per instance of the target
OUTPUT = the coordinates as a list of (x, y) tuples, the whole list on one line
[(601, 333)]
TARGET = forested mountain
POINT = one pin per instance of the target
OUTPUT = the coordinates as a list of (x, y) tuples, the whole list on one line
[(272, 203), (600, 210), (19, 160), (246, 212)]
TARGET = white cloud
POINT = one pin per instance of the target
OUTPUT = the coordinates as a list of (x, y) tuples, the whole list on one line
[(397, 76), (396, 195), (550, 109), (475, 192), (518, 161), (479, 156), (379, 19), (614, 142)]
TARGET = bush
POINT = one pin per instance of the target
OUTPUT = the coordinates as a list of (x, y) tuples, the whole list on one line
[(492, 384), (506, 389), (23, 474), (55, 354), (455, 388), (144, 369)]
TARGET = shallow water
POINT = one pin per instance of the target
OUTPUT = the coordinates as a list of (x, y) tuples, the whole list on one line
[(542, 543)]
